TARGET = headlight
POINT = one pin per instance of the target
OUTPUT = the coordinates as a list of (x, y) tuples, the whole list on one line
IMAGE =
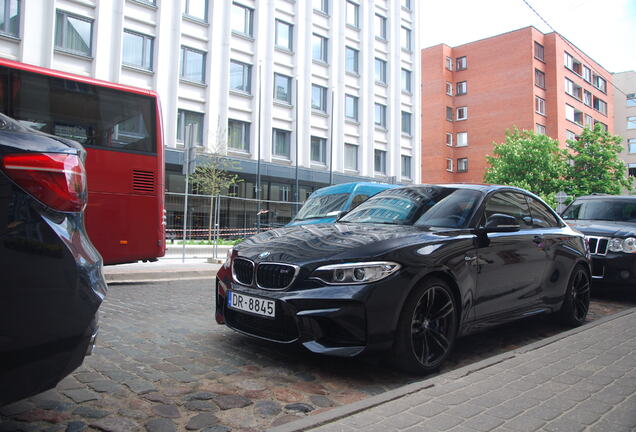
[(627, 245), (228, 258), (355, 273)]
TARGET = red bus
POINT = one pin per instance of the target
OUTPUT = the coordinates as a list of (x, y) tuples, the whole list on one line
[(120, 127)]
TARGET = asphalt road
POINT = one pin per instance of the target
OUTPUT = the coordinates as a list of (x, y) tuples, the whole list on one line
[(162, 363)]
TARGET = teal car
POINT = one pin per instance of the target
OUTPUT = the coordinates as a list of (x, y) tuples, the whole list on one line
[(326, 204)]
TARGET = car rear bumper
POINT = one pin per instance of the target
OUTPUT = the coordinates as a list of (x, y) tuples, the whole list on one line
[(614, 268)]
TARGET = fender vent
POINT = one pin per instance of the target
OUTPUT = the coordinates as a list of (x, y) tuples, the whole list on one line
[(143, 181)]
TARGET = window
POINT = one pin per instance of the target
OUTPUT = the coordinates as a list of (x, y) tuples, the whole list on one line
[(73, 34), (599, 82), (570, 136), (589, 122), (631, 145), (539, 78), (10, 17), (351, 107), (572, 89), (603, 125), (406, 167), (449, 63), (449, 114), (196, 9), (407, 43), (282, 88), (353, 14), (631, 169), (462, 139), (284, 35), (462, 88), (322, 6), (587, 74), (240, 77), (587, 98), (540, 129), (462, 113), (512, 204), (631, 122), (449, 165), (599, 105), (406, 4), (542, 216), (380, 27), (572, 64), (318, 150), (192, 65), (631, 99), (318, 98), (380, 115), (449, 139), (242, 20), (406, 81), (280, 144), (380, 71), (186, 118), (406, 122), (462, 165), (461, 63), (238, 135), (351, 60), (351, 157), (573, 115), (379, 161), (538, 51), (539, 105), (319, 48), (449, 88), (137, 50)]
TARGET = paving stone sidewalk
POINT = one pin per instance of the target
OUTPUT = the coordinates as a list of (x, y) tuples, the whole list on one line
[(585, 381)]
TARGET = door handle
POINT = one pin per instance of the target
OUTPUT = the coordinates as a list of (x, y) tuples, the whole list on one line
[(470, 258), (537, 239)]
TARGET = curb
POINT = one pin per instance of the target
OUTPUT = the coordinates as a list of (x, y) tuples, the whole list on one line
[(337, 413), (157, 276)]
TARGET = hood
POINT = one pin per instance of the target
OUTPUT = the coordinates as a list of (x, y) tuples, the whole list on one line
[(301, 244), (604, 228)]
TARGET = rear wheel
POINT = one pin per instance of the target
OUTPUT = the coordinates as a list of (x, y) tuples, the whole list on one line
[(577, 298), (427, 328)]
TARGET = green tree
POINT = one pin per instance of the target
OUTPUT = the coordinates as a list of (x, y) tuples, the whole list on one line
[(530, 161), (594, 166)]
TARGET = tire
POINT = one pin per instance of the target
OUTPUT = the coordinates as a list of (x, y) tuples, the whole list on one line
[(427, 328), (577, 298)]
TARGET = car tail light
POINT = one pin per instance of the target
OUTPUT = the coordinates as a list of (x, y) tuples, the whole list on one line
[(57, 180)]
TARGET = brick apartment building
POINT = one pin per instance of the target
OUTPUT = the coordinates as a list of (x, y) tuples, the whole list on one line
[(473, 93)]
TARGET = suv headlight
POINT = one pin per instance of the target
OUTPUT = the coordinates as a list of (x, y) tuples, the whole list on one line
[(355, 273), (627, 245)]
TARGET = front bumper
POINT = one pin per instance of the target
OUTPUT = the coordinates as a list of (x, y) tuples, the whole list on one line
[(614, 268), (334, 320)]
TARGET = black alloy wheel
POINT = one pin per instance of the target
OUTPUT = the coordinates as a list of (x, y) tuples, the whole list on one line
[(427, 328), (577, 298)]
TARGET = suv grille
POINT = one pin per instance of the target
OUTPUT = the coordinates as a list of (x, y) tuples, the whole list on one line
[(275, 276), (598, 245), (243, 271)]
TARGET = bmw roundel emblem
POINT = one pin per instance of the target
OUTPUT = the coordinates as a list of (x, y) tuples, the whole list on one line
[(263, 254)]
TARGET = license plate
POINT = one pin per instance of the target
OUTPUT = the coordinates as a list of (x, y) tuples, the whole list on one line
[(254, 305)]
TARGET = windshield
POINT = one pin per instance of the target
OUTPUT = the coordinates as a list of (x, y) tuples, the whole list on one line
[(606, 210), (321, 206), (432, 206)]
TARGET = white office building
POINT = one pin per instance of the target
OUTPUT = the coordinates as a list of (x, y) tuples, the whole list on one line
[(329, 85)]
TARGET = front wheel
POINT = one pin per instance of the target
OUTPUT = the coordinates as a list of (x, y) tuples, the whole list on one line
[(577, 298), (427, 328)]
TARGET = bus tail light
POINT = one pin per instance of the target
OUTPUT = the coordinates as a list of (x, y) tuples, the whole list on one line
[(57, 180)]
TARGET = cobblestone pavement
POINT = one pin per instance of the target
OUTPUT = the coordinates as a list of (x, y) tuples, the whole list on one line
[(584, 382), (163, 364)]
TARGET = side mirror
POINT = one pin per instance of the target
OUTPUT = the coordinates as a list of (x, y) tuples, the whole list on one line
[(500, 222)]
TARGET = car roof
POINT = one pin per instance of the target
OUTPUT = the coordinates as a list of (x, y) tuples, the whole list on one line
[(485, 188), (606, 197)]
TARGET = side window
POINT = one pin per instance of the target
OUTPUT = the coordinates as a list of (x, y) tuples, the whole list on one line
[(357, 200), (573, 211), (542, 217), (509, 203)]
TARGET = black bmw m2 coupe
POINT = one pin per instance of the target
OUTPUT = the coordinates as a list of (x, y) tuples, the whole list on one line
[(409, 271)]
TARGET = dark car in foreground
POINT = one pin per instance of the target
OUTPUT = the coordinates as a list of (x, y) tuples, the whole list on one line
[(409, 270), (609, 225), (52, 282)]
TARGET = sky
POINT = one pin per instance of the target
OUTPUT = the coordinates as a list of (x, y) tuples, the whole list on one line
[(605, 30)]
